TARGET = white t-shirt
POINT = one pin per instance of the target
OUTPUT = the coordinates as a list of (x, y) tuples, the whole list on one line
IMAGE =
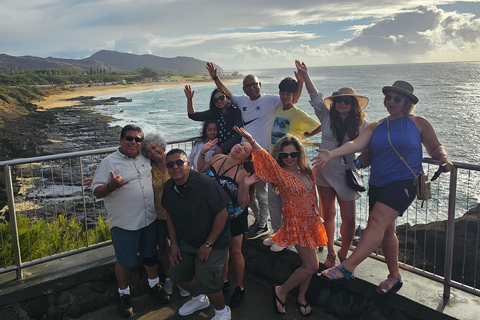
[(258, 116), (130, 207)]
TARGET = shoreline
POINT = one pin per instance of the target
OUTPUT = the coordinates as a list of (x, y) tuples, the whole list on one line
[(57, 100)]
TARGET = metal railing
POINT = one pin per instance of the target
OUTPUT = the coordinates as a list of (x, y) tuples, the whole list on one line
[(45, 190)]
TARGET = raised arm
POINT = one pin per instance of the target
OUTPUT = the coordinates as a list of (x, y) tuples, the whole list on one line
[(247, 137), (300, 81), (213, 73), (202, 164), (189, 94), (302, 69)]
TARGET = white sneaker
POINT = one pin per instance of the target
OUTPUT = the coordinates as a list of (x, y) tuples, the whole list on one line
[(276, 248), (168, 286), (267, 242), (194, 304), (184, 293), (224, 315)]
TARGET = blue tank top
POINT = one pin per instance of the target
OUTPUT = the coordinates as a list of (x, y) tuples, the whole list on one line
[(386, 166)]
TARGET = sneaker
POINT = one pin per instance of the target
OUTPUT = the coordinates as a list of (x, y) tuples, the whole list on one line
[(125, 305), (267, 242), (257, 232), (193, 305), (159, 294), (168, 286), (226, 285), (237, 297), (276, 248), (252, 226), (184, 293), (224, 315)]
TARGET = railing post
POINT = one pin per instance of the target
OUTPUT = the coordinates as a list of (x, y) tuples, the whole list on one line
[(13, 222), (452, 197)]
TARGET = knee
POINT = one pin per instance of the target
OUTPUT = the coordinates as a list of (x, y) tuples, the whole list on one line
[(152, 261), (311, 268)]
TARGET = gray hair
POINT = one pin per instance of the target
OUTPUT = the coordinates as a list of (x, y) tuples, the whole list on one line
[(153, 138)]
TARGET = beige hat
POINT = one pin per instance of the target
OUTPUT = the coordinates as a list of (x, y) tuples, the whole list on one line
[(347, 91)]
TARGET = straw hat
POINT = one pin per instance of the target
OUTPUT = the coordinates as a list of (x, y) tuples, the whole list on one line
[(347, 91), (404, 88)]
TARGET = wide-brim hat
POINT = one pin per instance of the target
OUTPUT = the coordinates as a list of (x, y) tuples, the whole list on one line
[(347, 91), (404, 88)]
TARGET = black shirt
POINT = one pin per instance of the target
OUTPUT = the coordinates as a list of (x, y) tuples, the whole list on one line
[(194, 208)]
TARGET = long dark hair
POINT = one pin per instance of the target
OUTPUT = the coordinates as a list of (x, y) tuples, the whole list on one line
[(350, 125), (203, 132), (214, 111)]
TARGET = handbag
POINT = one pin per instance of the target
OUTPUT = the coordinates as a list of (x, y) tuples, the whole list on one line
[(354, 179), (419, 180)]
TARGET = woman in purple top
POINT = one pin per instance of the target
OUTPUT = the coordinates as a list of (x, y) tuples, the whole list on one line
[(391, 187)]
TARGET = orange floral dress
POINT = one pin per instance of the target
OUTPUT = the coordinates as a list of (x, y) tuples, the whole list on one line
[(301, 223)]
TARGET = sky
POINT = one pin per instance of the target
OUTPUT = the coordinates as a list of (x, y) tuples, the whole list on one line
[(247, 34)]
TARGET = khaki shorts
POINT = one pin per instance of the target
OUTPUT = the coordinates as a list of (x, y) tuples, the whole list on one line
[(207, 274)]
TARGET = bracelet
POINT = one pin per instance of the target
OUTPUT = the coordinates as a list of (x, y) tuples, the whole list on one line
[(215, 78), (203, 153), (108, 187), (173, 246), (253, 142)]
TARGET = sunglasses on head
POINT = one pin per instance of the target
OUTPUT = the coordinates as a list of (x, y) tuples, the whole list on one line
[(346, 101), (220, 98), (178, 162), (253, 84), (396, 99), (293, 155), (130, 138)]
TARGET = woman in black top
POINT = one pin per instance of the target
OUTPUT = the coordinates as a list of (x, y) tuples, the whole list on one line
[(223, 112)]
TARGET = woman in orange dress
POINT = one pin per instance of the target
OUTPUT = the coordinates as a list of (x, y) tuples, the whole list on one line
[(289, 171)]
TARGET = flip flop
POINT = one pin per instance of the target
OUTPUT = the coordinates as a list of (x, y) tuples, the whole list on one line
[(305, 306), (397, 284), (276, 299), (331, 274)]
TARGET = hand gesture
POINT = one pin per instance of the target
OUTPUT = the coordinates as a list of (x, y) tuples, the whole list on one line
[(188, 92), (299, 76), (242, 132), (212, 70), (250, 179), (301, 67), (322, 158), (209, 145), (87, 183), (116, 181), (175, 255)]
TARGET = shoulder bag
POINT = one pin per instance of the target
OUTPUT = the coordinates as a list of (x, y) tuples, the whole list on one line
[(354, 178)]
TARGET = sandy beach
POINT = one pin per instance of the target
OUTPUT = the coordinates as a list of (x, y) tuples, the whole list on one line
[(57, 100)]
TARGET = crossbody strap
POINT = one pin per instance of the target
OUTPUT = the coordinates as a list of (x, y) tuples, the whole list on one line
[(401, 158)]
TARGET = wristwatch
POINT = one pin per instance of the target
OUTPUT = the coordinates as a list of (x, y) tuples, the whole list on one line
[(208, 244)]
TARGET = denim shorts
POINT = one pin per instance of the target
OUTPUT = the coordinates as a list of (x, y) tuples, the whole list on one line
[(207, 274), (127, 243), (397, 195)]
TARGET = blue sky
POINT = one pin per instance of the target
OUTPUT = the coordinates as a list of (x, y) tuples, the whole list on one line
[(247, 34)]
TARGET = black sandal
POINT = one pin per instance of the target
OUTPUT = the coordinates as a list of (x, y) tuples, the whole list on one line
[(275, 300), (304, 306)]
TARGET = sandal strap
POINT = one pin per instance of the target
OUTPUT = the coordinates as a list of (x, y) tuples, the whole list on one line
[(347, 274)]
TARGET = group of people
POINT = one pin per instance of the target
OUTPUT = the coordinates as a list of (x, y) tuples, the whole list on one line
[(190, 211)]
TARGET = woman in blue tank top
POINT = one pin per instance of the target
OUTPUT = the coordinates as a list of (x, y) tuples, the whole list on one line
[(391, 187)]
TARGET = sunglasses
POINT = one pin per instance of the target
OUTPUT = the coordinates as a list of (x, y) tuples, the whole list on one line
[(253, 84), (130, 138), (346, 101), (293, 155), (220, 98), (396, 99), (178, 162)]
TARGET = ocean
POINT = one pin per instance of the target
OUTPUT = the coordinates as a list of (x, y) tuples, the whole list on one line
[(449, 97)]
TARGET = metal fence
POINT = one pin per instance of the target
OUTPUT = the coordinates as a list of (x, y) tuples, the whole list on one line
[(51, 215)]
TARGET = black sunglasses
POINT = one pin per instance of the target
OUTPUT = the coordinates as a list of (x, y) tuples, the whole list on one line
[(293, 155), (178, 162), (130, 138), (253, 84), (346, 101), (220, 98), (396, 99)]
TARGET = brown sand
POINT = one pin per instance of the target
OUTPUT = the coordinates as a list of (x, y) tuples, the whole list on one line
[(56, 100)]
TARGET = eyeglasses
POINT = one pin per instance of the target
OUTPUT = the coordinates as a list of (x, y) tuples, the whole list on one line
[(178, 162), (130, 138), (293, 155), (253, 84), (346, 101), (396, 99), (220, 98)]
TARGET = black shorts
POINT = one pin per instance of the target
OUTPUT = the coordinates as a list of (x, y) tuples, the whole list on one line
[(239, 224), (397, 195), (162, 231)]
